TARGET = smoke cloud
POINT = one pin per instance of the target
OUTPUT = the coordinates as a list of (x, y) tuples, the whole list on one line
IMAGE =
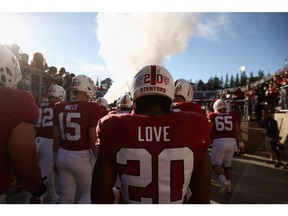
[(128, 41)]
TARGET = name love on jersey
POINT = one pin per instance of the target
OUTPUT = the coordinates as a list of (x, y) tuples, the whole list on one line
[(150, 134)]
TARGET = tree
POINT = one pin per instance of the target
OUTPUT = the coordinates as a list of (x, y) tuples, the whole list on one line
[(97, 82), (252, 78), (260, 74), (221, 82), (243, 78), (201, 86), (106, 84), (237, 81), (232, 82), (216, 83), (226, 84)]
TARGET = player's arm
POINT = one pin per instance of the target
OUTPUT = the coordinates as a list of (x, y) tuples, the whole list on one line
[(103, 180), (23, 155), (200, 184)]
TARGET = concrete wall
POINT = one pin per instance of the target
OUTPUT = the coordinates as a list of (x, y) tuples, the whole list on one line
[(282, 119), (253, 135)]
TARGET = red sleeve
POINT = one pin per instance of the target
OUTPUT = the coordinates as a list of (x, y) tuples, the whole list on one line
[(96, 114)]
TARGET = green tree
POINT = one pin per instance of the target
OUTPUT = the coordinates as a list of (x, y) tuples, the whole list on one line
[(243, 79), (237, 81), (226, 84), (201, 85), (106, 84), (260, 74), (221, 82), (232, 82)]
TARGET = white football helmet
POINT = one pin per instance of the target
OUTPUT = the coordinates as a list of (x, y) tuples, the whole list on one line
[(184, 88), (57, 91), (85, 84), (153, 80), (125, 102), (10, 73), (219, 105), (102, 102)]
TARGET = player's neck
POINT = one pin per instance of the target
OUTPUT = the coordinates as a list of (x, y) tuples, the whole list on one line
[(153, 111)]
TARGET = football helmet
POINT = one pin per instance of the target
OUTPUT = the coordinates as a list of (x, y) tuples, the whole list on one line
[(85, 84), (102, 102), (184, 88), (153, 80), (219, 105), (10, 73), (57, 91), (125, 102)]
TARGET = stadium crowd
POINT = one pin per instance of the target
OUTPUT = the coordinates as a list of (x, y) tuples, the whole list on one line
[(37, 76)]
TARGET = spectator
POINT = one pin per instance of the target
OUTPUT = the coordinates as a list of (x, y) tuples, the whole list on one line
[(18, 113), (248, 103), (60, 76), (239, 97), (272, 137), (25, 82), (68, 84), (272, 96), (153, 149), (38, 66), (49, 79), (259, 104)]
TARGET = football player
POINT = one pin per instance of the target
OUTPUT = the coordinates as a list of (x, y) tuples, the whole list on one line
[(157, 153), (183, 97), (124, 105), (103, 103), (74, 140), (225, 134), (44, 138), (18, 114)]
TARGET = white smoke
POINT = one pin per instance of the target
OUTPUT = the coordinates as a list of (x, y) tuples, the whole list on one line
[(128, 41)]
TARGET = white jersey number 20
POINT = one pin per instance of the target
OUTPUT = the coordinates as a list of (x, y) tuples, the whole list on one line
[(165, 159)]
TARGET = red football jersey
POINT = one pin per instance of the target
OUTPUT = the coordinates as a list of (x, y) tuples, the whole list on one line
[(75, 119), (44, 125), (187, 106), (15, 107), (223, 124), (104, 111), (154, 156)]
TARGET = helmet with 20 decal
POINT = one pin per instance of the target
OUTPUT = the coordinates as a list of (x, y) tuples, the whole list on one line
[(102, 102), (57, 91), (85, 84), (153, 80), (125, 102), (10, 73), (184, 88), (219, 104), (153, 85)]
